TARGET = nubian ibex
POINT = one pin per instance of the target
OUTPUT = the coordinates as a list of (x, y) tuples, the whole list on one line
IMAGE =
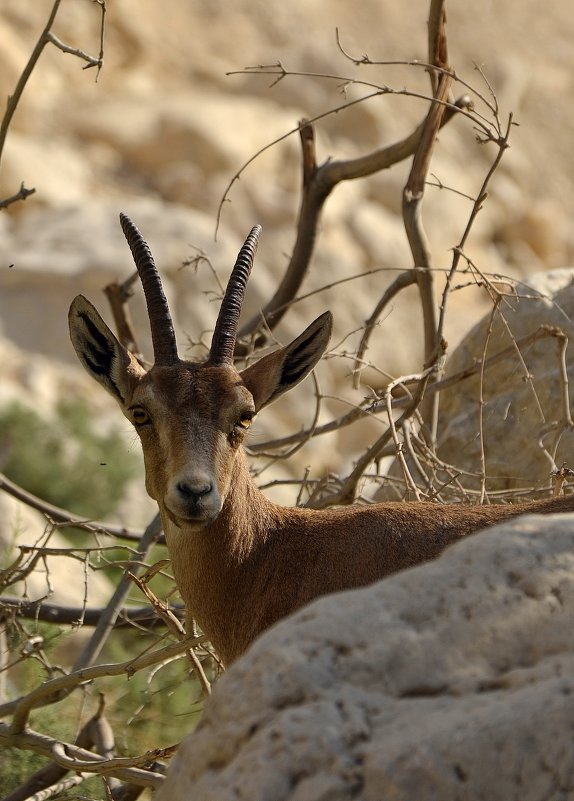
[(240, 561)]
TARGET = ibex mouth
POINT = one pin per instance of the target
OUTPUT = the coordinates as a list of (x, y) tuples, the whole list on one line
[(199, 520), (173, 518)]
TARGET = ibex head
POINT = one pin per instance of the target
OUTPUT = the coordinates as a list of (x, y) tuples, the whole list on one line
[(191, 417)]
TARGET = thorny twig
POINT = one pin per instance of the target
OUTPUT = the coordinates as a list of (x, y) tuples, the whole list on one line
[(175, 626)]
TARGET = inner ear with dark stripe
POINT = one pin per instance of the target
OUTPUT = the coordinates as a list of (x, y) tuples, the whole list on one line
[(99, 351), (281, 370)]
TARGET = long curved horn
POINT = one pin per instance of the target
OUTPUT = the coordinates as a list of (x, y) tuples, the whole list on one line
[(162, 332), (225, 333)]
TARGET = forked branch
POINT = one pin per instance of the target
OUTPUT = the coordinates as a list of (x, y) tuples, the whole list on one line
[(46, 37), (317, 184)]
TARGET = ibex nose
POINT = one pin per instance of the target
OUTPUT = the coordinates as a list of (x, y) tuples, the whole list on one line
[(194, 489), (193, 496)]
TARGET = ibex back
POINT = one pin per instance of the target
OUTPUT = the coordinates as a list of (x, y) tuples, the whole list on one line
[(241, 562)]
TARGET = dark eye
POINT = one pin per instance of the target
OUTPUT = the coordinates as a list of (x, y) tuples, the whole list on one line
[(245, 420), (139, 416)]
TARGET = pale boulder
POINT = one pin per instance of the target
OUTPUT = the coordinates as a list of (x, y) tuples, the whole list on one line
[(521, 398), (451, 680)]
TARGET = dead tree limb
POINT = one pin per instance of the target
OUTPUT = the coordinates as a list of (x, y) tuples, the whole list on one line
[(318, 183), (47, 36), (62, 517)]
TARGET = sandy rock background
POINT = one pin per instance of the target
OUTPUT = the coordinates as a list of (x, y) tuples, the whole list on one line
[(162, 132)]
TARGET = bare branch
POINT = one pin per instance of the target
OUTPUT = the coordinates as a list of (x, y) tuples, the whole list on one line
[(401, 281), (49, 780), (175, 626), (21, 194), (46, 37), (348, 490), (144, 616), (118, 296), (62, 516), (437, 48), (318, 183), (113, 610), (84, 760), (74, 51), (374, 408), (43, 695), (412, 203)]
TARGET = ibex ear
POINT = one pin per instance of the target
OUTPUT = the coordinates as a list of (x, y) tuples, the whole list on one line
[(99, 351), (277, 372)]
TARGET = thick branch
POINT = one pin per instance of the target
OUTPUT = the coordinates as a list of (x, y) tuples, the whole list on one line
[(118, 296), (317, 186), (113, 610), (48, 780), (412, 216), (46, 746), (142, 616), (412, 202)]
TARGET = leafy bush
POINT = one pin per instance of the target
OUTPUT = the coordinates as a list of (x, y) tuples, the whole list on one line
[(66, 461)]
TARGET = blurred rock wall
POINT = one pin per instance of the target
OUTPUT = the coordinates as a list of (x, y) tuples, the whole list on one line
[(165, 128)]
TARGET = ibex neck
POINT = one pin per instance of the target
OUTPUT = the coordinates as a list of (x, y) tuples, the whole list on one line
[(246, 516), (210, 564)]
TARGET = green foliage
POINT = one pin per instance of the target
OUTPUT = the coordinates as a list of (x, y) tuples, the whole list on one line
[(151, 709), (66, 461), (60, 720)]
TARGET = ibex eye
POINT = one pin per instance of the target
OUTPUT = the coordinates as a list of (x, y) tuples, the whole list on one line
[(140, 416), (245, 420)]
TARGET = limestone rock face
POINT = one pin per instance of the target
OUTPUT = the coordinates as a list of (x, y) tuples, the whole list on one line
[(453, 680)]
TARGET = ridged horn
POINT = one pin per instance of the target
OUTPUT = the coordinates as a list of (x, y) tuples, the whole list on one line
[(225, 333), (161, 325)]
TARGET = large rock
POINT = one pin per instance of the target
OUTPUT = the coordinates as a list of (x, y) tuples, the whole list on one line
[(522, 395), (451, 680)]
